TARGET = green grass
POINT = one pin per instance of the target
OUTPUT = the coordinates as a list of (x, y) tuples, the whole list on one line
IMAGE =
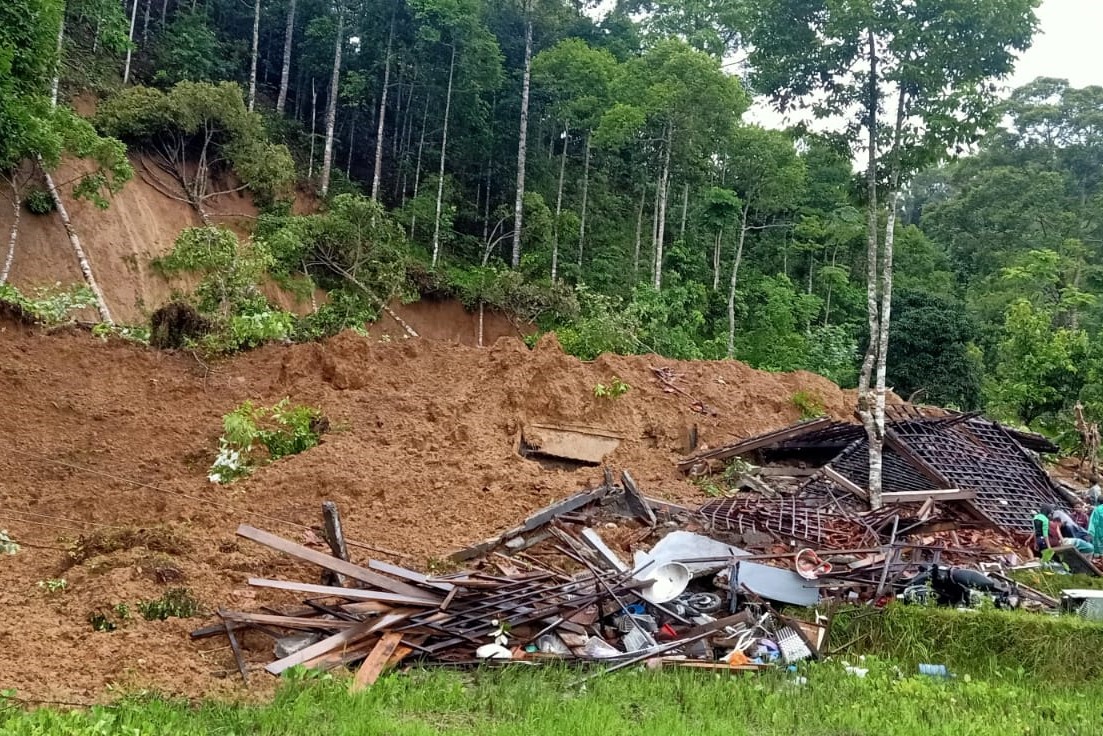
[(985, 643), (1052, 584), (524, 702)]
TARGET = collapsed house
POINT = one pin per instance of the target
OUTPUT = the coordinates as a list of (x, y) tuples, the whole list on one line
[(612, 575)]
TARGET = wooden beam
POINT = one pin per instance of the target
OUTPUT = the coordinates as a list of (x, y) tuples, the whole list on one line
[(845, 483), (756, 443), (341, 639), (947, 494), (332, 563), (410, 575), (287, 622), (335, 536), (238, 658), (636, 501), (374, 665), (356, 594)]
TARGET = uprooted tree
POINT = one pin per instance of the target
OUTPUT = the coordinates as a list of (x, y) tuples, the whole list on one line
[(195, 135), (929, 66)]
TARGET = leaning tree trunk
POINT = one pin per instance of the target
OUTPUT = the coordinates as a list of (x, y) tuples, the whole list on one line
[(735, 281), (443, 147), (716, 259), (82, 259), (664, 184), (382, 117), (559, 206), (285, 72), (522, 149), (17, 209), (130, 45), (685, 211), (253, 60), (331, 103), (585, 192), (866, 403)]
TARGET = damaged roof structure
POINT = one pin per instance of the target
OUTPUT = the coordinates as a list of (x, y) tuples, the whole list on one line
[(981, 468)]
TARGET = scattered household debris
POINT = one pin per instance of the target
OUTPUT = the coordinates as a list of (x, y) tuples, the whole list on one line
[(612, 576), (586, 445)]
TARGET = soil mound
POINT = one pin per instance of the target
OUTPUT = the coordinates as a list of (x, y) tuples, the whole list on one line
[(105, 440)]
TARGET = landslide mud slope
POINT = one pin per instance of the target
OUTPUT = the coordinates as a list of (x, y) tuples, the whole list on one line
[(421, 459)]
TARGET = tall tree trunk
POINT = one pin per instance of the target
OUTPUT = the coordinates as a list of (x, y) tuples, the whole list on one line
[(164, 12), (443, 148), (82, 259), (253, 57), (331, 103), (17, 209), (685, 211), (585, 194), (866, 403), (313, 126), (735, 280), (655, 226), (559, 205), (130, 45), (55, 83), (664, 189), (352, 140), (639, 237), (145, 24), (417, 169), (285, 72), (522, 148), (382, 116), (716, 259)]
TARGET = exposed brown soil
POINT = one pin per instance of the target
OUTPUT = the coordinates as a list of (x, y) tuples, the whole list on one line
[(421, 459), (448, 320)]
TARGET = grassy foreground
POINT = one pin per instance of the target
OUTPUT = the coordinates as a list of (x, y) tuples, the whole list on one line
[(821, 700)]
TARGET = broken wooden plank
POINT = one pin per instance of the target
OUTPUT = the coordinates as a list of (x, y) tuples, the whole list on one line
[(533, 522), (335, 537), (374, 665), (934, 494), (755, 443), (594, 540), (845, 483), (635, 500), (356, 594), (332, 563), (581, 444), (236, 648), (786, 471), (341, 639), (411, 575), (287, 622)]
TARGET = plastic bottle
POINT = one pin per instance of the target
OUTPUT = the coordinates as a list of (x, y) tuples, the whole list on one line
[(934, 670)]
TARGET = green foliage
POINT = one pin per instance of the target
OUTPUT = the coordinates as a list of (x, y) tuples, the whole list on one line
[(190, 50), (614, 390), (175, 603), (49, 305), (39, 202), (253, 435), (53, 585), (809, 404)]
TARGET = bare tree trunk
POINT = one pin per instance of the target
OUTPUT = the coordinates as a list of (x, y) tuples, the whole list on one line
[(559, 205), (735, 280), (639, 236), (585, 193), (145, 24), (664, 188), (17, 209), (82, 259), (716, 259), (331, 103), (417, 169), (866, 407), (352, 140), (685, 211), (130, 45), (164, 12), (313, 126), (253, 59), (382, 117), (443, 148), (655, 226), (522, 147), (56, 81), (285, 72)]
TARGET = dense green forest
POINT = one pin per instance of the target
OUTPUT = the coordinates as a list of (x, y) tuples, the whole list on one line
[(595, 172)]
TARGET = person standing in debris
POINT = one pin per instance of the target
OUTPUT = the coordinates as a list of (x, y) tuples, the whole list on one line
[(1042, 530)]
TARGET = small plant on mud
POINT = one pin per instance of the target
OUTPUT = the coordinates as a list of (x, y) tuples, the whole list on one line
[(49, 306), (809, 404), (175, 603), (281, 430), (39, 202), (8, 546), (614, 390), (53, 585)]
